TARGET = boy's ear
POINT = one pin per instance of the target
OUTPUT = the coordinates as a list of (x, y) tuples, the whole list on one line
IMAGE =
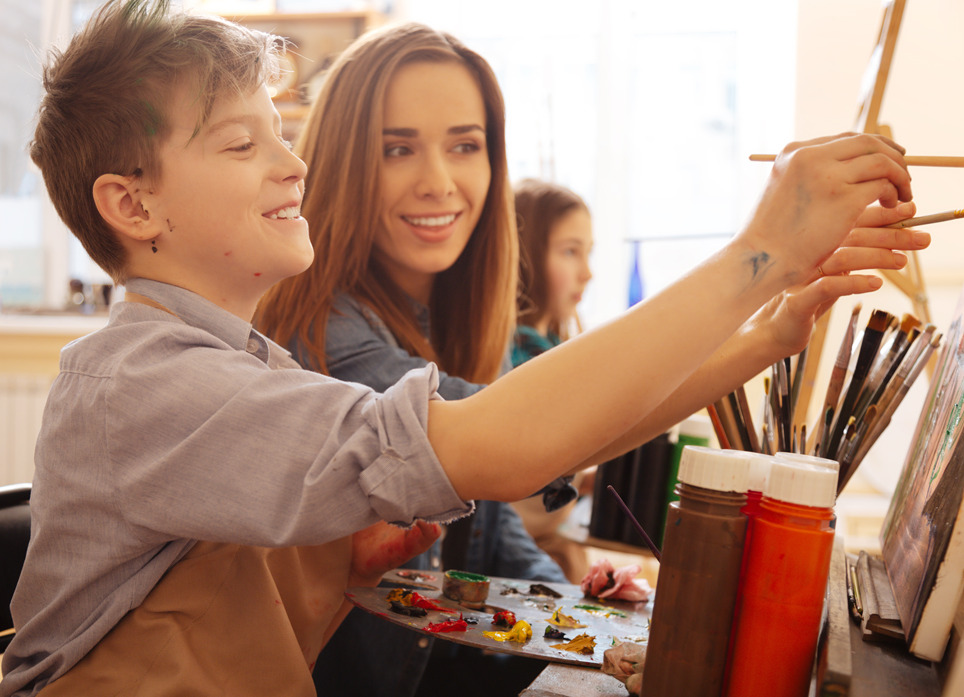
[(118, 200)]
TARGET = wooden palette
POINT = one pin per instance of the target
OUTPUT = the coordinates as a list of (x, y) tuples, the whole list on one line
[(614, 622)]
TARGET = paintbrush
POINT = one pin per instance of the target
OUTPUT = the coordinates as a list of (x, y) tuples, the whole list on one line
[(728, 420), (904, 339), (632, 519), (928, 219), (847, 459), (879, 320), (718, 427), (910, 160), (784, 382), (797, 381), (739, 421), (837, 377), (766, 428), (886, 364), (744, 405), (912, 365)]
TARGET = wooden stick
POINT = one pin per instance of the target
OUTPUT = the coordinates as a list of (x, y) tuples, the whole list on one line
[(927, 219), (639, 528), (911, 160)]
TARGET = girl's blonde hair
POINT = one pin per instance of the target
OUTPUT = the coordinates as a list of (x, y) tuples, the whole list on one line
[(473, 302)]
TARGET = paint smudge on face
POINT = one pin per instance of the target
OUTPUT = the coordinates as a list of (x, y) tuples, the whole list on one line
[(257, 273)]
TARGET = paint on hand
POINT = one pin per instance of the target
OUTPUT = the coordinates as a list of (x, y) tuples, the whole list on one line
[(581, 644), (520, 632)]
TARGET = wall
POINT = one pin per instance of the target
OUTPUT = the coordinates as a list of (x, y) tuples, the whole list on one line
[(924, 111)]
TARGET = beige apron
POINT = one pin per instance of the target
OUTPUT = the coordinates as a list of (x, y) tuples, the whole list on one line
[(225, 620)]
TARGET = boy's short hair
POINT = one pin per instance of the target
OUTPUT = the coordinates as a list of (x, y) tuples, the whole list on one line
[(107, 95)]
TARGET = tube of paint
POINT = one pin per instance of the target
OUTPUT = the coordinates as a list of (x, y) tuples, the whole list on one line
[(698, 576), (788, 561)]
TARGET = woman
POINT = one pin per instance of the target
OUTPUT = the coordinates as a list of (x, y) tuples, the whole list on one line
[(419, 265)]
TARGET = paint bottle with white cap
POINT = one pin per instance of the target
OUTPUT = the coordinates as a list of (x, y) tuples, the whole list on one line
[(698, 576), (788, 561)]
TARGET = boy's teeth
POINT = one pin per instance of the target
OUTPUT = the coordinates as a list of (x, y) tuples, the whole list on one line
[(434, 221), (291, 212)]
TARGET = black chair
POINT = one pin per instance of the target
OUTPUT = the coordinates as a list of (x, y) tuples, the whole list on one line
[(14, 535)]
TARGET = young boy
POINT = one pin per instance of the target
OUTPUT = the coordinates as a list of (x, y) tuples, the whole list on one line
[(196, 494)]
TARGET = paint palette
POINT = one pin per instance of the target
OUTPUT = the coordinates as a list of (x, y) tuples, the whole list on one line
[(608, 622)]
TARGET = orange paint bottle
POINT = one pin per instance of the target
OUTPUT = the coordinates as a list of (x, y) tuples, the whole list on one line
[(785, 581)]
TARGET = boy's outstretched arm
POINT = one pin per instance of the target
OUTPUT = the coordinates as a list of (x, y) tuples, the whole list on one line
[(783, 326), (561, 409)]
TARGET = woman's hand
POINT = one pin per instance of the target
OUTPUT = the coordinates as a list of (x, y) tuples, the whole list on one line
[(790, 316), (817, 192), (382, 547)]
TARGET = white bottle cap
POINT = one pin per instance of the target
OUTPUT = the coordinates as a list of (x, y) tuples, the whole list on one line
[(802, 484), (719, 470), (759, 470), (809, 460)]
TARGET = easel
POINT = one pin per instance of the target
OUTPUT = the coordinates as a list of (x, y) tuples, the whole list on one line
[(910, 280)]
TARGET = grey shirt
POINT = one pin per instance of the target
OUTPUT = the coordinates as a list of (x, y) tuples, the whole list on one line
[(164, 429)]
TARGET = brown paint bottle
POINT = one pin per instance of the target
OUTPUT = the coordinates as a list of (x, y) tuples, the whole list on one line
[(698, 576)]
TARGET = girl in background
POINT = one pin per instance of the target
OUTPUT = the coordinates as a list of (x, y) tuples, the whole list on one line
[(555, 240)]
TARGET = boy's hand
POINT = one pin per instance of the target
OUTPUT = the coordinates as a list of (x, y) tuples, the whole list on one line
[(383, 547), (790, 316), (816, 192)]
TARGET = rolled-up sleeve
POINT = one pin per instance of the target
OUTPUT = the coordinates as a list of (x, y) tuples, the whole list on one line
[(400, 418)]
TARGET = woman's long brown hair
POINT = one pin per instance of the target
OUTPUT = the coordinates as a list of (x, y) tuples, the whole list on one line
[(473, 302)]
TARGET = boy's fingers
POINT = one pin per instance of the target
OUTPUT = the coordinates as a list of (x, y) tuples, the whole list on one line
[(878, 216), (847, 259), (889, 238)]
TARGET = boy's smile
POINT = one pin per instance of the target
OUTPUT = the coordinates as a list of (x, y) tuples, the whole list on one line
[(227, 205)]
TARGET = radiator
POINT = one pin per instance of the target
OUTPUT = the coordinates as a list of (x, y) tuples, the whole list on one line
[(22, 399)]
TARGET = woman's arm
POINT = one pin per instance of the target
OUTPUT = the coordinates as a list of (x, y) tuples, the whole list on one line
[(561, 408)]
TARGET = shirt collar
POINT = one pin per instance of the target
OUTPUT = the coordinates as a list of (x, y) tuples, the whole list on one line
[(198, 312)]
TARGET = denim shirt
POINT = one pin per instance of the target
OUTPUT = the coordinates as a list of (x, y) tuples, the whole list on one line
[(367, 655)]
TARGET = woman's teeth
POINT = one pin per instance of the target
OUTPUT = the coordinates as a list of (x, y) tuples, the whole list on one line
[(290, 212), (434, 221)]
